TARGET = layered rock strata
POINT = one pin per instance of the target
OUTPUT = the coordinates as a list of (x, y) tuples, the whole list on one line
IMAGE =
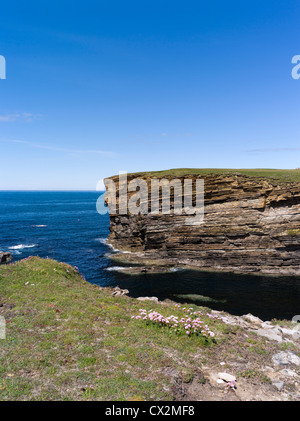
[(250, 225)]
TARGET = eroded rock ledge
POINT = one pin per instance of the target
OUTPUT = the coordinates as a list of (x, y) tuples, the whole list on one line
[(250, 225), (5, 257)]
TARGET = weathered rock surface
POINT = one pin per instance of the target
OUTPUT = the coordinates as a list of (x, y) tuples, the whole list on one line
[(286, 357), (272, 334), (5, 257), (148, 299), (119, 292), (250, 225), (275, 376), (227, 377)]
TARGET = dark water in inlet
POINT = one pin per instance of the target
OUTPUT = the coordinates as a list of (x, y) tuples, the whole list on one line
[(66, 226)]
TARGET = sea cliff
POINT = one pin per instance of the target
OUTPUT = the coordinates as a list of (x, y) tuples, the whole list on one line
[(251, 224)]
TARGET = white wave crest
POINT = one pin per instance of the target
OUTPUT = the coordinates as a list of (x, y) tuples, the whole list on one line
[(22, 246), (112, 268), (105, 241)]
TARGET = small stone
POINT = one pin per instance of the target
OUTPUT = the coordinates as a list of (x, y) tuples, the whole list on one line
[(288, 372), (252, 319), (271, 334), (289, 332), (286, 357), (267, 325), (227, 377), (148, 299), (119, 292), (296, 335), (222, 363), (279, 385), (229, 320)]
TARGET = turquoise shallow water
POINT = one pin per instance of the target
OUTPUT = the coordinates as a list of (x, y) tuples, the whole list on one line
[(66, 226)]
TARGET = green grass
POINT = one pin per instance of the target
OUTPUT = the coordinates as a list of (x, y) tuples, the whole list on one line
[(255, 375), (294, 232), (278, 176), (69, 340)]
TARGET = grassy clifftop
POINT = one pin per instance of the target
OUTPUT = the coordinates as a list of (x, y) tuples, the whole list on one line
[(280, 176), (69, 340)]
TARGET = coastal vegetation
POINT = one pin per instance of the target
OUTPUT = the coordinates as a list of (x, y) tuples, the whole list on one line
[(278, 176), (67, 339)]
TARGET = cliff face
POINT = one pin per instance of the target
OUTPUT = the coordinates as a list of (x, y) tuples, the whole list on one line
[(250, 225)]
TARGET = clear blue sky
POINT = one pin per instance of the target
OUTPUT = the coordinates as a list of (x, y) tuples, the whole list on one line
[(94, 87)]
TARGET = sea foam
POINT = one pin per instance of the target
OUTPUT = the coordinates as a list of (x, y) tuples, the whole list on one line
[(22, 246), (113, 268), (105, 241)]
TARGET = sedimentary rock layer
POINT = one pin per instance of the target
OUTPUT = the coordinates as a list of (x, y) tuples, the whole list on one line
[(250, 225)]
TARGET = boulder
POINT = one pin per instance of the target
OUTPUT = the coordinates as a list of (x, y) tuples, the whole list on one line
[(252, 319), (119, 292), (148, 299), (287, 372), (295, 333), (226, 377), (278, 384), (272, 334), (286, 357), (5, 257)]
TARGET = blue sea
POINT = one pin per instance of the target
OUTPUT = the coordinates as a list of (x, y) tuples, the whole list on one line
[(66, 226)]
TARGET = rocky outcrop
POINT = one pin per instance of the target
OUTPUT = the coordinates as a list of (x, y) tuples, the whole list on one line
[(250, 225), (275, 373), (5, 257)]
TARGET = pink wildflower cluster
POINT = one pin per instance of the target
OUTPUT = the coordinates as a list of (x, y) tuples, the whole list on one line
[(190, 323), (231, 385), (191, 311)]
